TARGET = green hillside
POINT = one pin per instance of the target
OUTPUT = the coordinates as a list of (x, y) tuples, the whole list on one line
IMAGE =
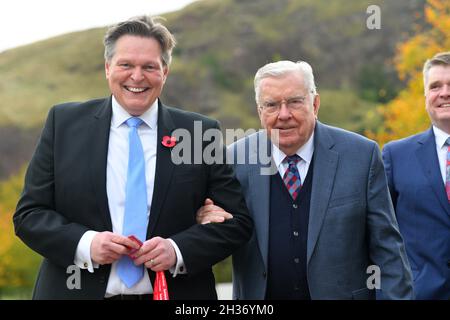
[(221, 43)]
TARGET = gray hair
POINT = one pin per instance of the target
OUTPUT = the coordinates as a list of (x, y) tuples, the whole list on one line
[(281, 68), (440, 59), (142, 26)]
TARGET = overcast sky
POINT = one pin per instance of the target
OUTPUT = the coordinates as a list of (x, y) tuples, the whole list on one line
[(26, 21)]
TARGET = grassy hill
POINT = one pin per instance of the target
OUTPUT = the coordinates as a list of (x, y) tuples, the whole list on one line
[(35, 77), (221, 43)]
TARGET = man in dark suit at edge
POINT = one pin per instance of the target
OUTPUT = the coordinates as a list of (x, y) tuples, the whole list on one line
[(418, 171)]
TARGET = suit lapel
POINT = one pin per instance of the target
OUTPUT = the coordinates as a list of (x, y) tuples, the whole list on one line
[(98, 153), (260, 189), (164, 167), (325, 165), (426, 155)]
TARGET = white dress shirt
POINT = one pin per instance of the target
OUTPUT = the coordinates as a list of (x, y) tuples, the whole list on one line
[(305, 153), (116, 176), (441, 149)]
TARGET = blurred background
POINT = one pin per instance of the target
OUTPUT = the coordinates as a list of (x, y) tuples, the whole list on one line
[(369, 80)]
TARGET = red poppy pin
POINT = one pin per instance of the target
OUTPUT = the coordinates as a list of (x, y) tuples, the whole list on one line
[(169, 141)]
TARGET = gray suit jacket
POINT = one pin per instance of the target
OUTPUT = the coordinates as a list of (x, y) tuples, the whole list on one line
[(351, 221)]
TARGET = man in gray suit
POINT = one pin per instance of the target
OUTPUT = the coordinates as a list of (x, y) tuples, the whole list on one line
[(324, 222)]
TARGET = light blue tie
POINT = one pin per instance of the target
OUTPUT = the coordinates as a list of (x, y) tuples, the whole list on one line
[(135, 218)]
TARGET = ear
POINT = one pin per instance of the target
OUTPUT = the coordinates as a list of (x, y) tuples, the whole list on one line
[(107, 66), (165, 73), (259, 111), (316, 105), (261, 118)]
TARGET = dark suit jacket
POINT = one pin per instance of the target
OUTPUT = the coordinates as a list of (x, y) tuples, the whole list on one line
[(65, 196), (351, 221), (423, 211)]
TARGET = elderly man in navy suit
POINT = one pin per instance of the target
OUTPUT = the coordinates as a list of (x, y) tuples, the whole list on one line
[(324, 221), (418, 171)]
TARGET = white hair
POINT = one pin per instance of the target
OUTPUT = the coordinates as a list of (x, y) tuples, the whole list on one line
[(281, 68)]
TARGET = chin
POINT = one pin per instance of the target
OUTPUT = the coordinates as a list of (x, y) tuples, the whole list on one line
[(138, 106), (288, 142), (287, 146)]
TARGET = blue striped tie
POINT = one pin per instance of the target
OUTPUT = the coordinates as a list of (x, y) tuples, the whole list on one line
[(135, 218)]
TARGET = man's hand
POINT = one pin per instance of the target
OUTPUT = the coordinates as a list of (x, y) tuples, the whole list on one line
[(108, 247), (211, 213), (157, 254)]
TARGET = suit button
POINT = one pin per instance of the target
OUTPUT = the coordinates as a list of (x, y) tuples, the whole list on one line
[(296, 260), (295, 234), (295, 206), (264, 274), (102, 279)]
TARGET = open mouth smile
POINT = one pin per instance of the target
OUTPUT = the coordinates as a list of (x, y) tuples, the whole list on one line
[(135, 89)]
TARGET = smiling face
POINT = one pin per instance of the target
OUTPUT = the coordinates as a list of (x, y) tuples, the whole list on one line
[(135, 73), (437, 96), (294, 126)]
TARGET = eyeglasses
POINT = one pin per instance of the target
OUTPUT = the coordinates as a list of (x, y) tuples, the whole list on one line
[(293, 104)]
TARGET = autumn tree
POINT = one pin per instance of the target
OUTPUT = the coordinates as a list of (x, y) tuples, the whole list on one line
[(18, 263), (406, 115)]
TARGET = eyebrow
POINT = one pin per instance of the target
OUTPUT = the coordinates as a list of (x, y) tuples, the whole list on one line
[(434, 83), (287, 98), (439, 81), (131, 60), (297, 97)]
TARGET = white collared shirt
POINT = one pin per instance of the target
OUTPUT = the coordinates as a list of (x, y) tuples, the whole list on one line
[(441, 149), (116, 176), (305, 153)]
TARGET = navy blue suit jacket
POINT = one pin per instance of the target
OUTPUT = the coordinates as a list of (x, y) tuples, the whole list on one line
[(423, 211)]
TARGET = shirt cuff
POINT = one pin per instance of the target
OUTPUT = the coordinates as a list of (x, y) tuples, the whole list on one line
[(83, 258), (179, 268)]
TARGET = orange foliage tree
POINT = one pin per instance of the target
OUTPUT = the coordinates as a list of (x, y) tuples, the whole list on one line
[(18, 263), (7, 276), (406, 115)]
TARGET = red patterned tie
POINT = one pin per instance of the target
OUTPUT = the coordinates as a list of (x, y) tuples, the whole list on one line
[(291, 177), (447, 170)]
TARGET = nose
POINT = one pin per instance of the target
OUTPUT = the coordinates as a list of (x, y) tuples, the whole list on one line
[(284, 113), (137, 74), (445, 92)]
